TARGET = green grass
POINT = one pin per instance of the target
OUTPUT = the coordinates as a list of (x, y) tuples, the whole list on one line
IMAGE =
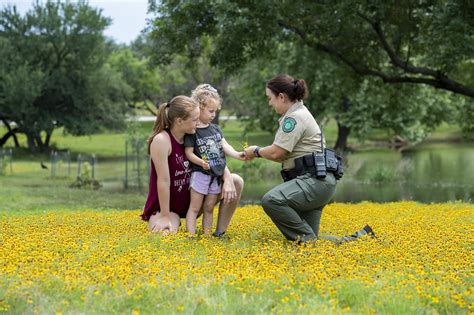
[(32, 188), (448, 132), (215, 299), (102, 145), (234, 134)]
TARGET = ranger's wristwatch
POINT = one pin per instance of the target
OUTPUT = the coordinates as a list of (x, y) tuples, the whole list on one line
[(256, 152)]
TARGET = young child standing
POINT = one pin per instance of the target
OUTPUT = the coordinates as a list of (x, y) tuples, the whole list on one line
[(206, 149)]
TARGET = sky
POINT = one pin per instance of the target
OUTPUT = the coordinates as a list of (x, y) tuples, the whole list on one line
[(128, 16)]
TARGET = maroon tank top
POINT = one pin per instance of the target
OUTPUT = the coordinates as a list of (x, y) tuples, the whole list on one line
[(180, 173)]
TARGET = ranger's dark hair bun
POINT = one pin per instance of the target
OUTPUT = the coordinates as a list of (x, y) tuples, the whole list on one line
[(296, 89)]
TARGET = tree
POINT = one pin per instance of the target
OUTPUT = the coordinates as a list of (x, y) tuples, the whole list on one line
[(140, 79), (359, 105), (413, 43), (162, 81), (427, 43), (55, 74), (19, 86)]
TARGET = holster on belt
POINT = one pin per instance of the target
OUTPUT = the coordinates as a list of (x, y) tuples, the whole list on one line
[(316, 164)]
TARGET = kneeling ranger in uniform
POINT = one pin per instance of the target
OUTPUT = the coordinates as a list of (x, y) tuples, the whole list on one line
[(309, 170)]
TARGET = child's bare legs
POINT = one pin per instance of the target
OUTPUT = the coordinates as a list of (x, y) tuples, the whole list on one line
[(208, 207), (193, 211)]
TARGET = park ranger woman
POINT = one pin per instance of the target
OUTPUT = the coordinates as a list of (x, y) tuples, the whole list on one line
[(309, 172)]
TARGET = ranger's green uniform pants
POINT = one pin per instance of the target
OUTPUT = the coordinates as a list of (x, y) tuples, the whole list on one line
[(296, 207)]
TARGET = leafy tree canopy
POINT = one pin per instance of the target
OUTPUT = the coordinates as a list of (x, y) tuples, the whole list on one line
[(427, 42), (368, 65), (154, 82), (55, 73)]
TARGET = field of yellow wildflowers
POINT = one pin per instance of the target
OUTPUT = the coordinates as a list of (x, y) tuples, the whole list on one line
[(106, 262)]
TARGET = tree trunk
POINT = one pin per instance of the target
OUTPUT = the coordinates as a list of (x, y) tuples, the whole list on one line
[(39, 141), (6, 136), (342, 135), (11, 133), (49, 133), (343, 131), (35, 143), (15, 138), (31, 142)]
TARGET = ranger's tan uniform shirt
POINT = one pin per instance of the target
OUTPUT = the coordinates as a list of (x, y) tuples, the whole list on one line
[(299, 134)]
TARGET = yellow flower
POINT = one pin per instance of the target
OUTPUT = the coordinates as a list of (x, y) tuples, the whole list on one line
[(93, 253)]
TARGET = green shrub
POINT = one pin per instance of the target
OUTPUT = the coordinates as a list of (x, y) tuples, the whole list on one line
[(382, 174)]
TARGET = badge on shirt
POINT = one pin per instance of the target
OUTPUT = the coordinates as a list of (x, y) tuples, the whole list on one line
[(288, 125)]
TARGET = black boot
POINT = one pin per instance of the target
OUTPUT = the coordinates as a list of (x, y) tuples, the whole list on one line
[(369, 231), (365, 230)]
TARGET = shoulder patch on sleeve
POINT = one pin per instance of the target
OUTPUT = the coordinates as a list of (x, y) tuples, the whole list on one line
[(289, 124)]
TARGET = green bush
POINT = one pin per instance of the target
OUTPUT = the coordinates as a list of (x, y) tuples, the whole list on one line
[(382, 174)]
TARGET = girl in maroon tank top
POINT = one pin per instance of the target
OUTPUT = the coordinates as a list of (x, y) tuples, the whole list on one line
[(180, 172), (168, 197)]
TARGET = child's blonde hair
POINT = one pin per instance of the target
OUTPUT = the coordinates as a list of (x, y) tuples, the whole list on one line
[(204, 93)]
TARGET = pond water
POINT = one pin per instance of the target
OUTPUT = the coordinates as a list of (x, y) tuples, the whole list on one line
[(427, 173)]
